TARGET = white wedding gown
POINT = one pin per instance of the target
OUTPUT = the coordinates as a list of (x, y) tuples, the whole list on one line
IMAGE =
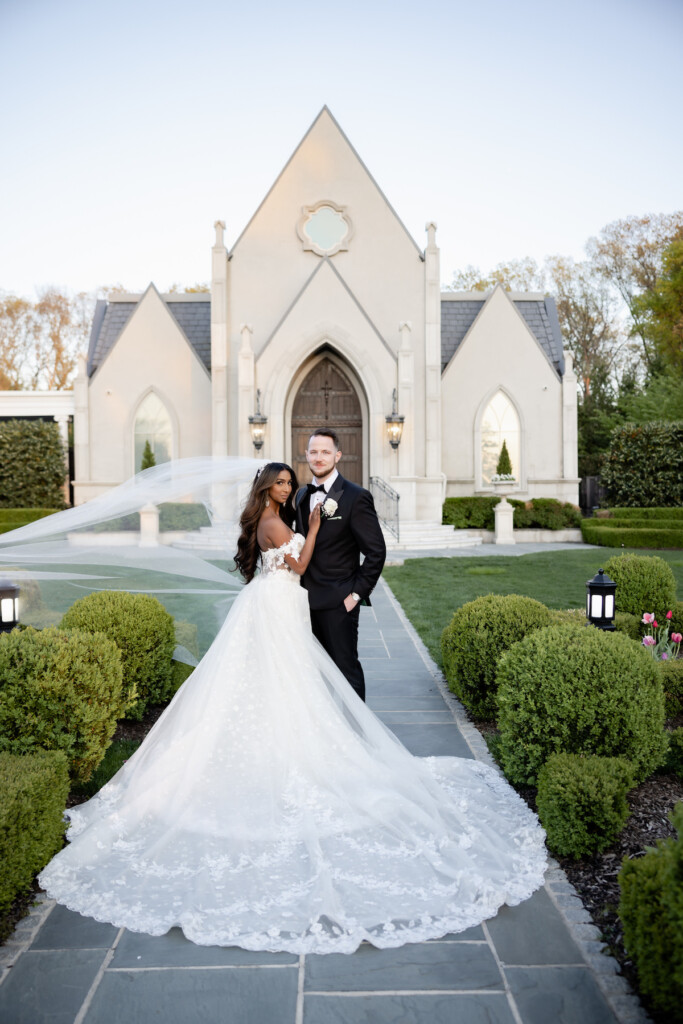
[(269, 808)]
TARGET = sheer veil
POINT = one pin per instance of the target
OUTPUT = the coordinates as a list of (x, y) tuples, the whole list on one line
[(170, 531)]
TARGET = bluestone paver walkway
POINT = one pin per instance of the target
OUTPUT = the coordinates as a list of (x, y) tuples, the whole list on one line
[(538, 963)]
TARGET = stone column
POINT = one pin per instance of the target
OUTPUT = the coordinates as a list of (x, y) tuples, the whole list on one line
[(81, 429), (406, 399), (432, 355), (149, 526), (245, 390), (570, 438), (62, 421), (219, 344)]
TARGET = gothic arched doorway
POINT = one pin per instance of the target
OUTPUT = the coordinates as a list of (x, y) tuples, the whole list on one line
[(327, 397)]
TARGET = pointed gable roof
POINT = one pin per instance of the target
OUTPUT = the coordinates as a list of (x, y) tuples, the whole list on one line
[(192, 314), (459, 310), (324, 113)]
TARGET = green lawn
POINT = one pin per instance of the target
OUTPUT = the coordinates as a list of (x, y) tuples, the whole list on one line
[(430, 589)]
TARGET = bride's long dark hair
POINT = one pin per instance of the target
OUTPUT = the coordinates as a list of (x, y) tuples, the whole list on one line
[(248, 551)]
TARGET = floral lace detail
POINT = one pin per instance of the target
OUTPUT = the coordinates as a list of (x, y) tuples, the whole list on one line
[(273, 560)]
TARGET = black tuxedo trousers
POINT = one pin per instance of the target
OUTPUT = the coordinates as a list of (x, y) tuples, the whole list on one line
[(335, 571)]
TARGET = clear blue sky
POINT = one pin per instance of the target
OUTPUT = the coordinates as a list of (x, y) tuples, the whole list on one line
[(520, 127)]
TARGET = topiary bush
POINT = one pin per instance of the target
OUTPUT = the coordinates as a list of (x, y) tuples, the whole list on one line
[(578, 690), (644, 465), (33, 792), (59, 691), (645, 583), (671, 672), (186, 635), (582, 803), (32, 465), (651, 911), (143, 631), (475, 638), (674, 754)]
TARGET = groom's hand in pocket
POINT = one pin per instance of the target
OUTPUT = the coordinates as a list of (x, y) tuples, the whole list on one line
[(350, 603)]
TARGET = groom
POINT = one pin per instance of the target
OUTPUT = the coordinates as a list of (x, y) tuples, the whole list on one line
[(336, 582)]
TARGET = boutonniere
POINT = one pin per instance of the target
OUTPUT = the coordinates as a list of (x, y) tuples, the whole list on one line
[(329, 507)]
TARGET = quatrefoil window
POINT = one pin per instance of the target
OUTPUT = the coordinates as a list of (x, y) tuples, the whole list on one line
[(325, 228)]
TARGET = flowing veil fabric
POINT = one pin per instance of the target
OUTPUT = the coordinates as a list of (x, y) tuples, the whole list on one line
[(269, 808)]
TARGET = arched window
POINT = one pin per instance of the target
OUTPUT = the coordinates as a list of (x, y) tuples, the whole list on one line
[(499, 423), (153, 424)]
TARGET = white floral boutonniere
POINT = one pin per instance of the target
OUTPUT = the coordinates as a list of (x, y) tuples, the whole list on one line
[(329, 507)]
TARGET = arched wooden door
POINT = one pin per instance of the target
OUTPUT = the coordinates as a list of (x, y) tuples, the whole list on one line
[(328, 398)]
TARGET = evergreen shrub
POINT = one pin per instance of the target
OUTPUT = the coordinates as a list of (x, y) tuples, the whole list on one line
[(32, 465), (651, 911), (143, 631), (645, 583), (607, 534), (59, 691), (572, 689), (476, 637), (33, 792), (644, 465), (675, 514), (582, 803), (671, 672), (477, 513), (186, 635), (173, 515), (674, 754), (623, 622)]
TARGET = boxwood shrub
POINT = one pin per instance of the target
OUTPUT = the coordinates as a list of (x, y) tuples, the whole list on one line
[(582, 802), (33, 792), (59, 691), (608, 534), (647, 513), (645, 583), (143, 631), (186, 635), (672, 682), (568, 688), (32, 466), (478, 513), (674, 754), (475, 638), (651, 911)]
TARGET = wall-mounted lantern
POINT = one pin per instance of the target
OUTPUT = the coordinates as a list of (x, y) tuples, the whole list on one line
[(394, 424), (257, 425)]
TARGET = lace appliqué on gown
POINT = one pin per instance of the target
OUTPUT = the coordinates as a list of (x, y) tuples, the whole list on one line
[(269, 808)]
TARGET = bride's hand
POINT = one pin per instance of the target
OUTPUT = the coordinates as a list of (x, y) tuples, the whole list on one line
[(314, 519)]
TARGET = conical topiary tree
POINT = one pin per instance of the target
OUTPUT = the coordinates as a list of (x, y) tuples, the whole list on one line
[(148, 459), (504, 467)]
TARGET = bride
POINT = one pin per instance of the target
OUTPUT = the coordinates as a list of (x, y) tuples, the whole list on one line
[(269, 808)]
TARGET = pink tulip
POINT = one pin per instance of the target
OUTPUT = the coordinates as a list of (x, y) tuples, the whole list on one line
[(669, 615), (676, 637), (648, 617), (655, 623), (649, 641)]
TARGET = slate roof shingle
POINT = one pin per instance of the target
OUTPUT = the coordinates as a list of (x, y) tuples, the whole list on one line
[(458, 315), (193, 318)]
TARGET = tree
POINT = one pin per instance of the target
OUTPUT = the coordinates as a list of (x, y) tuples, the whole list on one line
[(514, 275), (504, 467), (148, 459), (628, 255), (18, 330), (587, 315), (660, 308)]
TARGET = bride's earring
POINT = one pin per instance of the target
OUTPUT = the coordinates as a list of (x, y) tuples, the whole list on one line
[(267, 502)]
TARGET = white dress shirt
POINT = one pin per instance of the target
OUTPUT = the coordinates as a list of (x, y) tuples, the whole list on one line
[(318, 496)]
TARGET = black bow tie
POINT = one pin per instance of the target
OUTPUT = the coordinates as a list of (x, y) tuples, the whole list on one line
[(311, 488)]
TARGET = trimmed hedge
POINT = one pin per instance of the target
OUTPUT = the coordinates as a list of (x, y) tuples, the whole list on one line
[(59, 691), (173, 515), (478, 513), (674, 755), (644, 465), (645, 583), (578, 690), (475, 638), (647, 513), (32, 465), (143, 631), (582, 802), (594, 531), (33, 792), (13, 518), (651, 911), (672, 682)]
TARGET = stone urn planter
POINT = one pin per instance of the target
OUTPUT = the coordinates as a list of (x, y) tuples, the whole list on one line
[(504, 510)]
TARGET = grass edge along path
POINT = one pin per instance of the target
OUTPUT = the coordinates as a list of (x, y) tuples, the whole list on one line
[(430, 590)]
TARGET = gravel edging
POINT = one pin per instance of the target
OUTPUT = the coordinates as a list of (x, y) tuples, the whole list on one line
[(623, 1001)]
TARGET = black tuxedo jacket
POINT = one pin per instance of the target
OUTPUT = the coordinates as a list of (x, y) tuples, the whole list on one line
[(335, 571)]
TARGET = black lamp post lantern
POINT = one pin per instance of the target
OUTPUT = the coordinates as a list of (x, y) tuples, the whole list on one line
[(9, 605), (600, 601), (257, 425)]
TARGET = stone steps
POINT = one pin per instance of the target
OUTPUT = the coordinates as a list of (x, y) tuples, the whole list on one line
[(416, 535)]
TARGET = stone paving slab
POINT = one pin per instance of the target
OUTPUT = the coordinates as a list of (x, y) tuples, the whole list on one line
[(538, 963)]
